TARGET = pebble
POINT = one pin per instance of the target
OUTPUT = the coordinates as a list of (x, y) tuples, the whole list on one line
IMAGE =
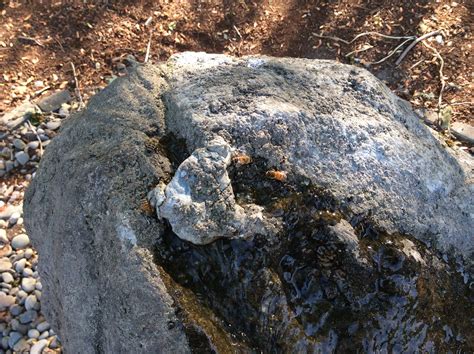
[(3, 236), (6, 301), (28, 316), (16, 310), (7, 278), (20, 265), (20, 241), (32, 145), (5, 265), (43, 326), (30, 302), (22, 157), (19, 144), (45, 334), (33, 333), (28, 284), (38, 347), (14, 338), (53, 125), (28, 253)]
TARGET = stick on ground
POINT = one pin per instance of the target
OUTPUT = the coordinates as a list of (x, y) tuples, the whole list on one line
[(78, 89), (414, 43)]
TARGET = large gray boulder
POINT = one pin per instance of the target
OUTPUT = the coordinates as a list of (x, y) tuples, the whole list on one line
[(256, 204)]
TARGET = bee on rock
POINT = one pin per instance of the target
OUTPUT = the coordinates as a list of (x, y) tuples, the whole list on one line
[(241, 159), (280, 176)]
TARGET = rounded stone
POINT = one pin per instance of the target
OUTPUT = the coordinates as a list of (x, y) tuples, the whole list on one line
[(33, 333), (7, 277), (20, 241), (19, 144), (5, 265), (28, 284), (30, 302), (6, 301)]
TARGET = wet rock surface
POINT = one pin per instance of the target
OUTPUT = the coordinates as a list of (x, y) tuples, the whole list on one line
[(255, 204)]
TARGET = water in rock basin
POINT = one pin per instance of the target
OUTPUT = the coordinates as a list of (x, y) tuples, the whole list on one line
[(327, 282)]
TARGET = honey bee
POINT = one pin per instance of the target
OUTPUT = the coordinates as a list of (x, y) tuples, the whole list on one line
[(146, 208), (277, 175), (241, 159)]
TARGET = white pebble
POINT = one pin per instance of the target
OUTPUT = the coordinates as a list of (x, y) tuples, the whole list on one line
[(7, 278), (33, 333), (38, 347), (3, 236), (20, 241), (6, 301), (28, 284)]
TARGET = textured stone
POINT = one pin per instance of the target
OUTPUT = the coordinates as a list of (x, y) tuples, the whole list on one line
[(325, 241)]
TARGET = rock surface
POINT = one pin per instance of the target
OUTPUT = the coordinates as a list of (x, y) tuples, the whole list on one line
[(299, 206)]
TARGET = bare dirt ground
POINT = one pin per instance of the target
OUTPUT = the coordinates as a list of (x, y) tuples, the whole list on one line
[(39, 40)]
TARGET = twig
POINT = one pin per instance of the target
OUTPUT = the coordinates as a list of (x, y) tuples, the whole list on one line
[(359, 50), (29, 39), (381, 35), (441, 76), (148, 47), (78, 89), (414, 43), (362, 35), (238, 32), (39, 92), (391, 53), (462, 103), (33, 129)]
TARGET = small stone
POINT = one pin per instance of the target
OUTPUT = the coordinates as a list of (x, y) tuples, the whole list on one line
[(6, 250), (7, 278), (14, 219), (38, 347), (28, 316), (16, 310), (9, 210), (6, 153), (53, 125), (21, 295), (22, 157), (28, 284), (9, 165), (45, 334), (28, 253), (33, 145), (463, 131), (27, 272), (20, 241), (20, 265), (54, 101), (33, 333), (5, 265), (14, 338), (43, 326), (55, 342), (30, 302), (39, 286), (3, 236), (5, 342), (19, 144), (6, 301), (21, 346)]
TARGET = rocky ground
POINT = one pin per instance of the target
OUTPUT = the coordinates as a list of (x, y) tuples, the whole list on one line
[(23, 328)]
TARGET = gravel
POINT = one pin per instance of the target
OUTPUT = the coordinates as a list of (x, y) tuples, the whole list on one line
[(23, 328)]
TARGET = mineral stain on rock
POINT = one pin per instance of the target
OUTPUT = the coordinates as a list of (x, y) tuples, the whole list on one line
[(347, 228)]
